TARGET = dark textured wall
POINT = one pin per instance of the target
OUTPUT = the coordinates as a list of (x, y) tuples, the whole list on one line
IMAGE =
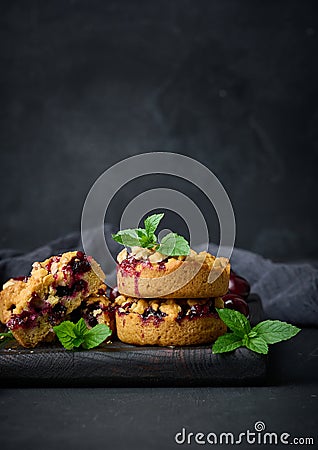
[(231, 83)]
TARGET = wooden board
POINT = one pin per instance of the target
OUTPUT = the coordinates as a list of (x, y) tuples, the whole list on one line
[(119, 364)]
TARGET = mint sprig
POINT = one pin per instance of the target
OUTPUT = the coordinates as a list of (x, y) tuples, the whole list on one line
[(78, 334), (171, 245), (256, 339), (174, 245), (6, 336)]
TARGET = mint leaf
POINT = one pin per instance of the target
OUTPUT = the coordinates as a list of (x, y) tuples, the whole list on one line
[(77, 342), (4, 337), (135, 237), (66, 334), (73, 335), (151, 223), (96, 336), (80, 328), (273, 331), (256, 344), (171, 245), (7, 335), (227, 343), (174, 245), (145, 240), (128, 238), (255, 339), (236, 321)]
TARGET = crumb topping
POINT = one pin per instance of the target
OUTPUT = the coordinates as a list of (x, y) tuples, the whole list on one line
[(177, 309)]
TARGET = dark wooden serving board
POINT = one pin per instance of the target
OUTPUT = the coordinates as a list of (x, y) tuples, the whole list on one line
[(119, 364)]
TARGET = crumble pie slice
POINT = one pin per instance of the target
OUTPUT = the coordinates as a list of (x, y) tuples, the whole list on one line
[(56, 287)]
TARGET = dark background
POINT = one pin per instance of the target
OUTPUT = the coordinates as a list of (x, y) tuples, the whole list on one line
[(231, 83)]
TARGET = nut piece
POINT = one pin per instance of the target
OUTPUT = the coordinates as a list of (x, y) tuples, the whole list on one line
[(9, 283), (156, 257), (170, 308), (140, 252), (122, 255), (139, 307), (154, 304)]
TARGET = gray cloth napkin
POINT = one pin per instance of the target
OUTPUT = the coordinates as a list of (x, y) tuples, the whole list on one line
[(288, 291)]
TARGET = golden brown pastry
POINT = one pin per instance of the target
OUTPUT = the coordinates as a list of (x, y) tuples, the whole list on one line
[(200, 275), (168, 322), (56, 287)]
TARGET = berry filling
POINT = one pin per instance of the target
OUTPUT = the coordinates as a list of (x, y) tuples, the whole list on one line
[(79, 264), (161, 265), (113, 294), (26, 319), (57, 314), (155, 316), (89, 316), (22, 278), (54, 259), (128, 266), (36, 308), (71, 291), (197, 311), (29, 318)]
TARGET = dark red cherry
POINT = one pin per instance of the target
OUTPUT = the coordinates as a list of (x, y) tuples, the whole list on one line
[(232, 301), (239, 286), (113, 294)]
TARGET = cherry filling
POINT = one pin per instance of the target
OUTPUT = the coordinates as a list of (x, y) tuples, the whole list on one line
[(74, 270), (26, 319), (155, 316), (128, 266), (161, 265), (22, 278), (51, 261), (113, 294), (91, 318), (36, 307), (72, 290), (79, 264), (57, 313), (196, 311)]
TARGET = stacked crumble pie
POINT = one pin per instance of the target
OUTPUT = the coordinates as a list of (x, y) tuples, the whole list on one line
[(158, 306)]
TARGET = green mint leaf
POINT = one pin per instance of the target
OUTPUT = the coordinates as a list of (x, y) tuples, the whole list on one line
[(80, 328), (66, 334), (145, 240), (73, 335), (4, 337), (236, 321), (256, 344), (7, 335), (151, 223), (96, 336), (273, 331), (174, 245), (252, 334), (78, 341), (227, 343), (128, 238)]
